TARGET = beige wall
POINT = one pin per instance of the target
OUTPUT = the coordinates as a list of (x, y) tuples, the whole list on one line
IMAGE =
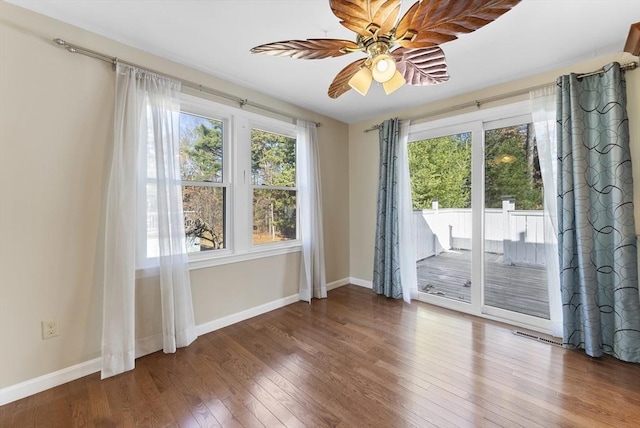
[(363, 153), (55, 131)]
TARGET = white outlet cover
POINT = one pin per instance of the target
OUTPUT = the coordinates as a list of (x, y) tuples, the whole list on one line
[(49, 329)]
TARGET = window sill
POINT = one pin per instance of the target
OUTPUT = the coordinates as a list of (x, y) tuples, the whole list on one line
[(224, 257)]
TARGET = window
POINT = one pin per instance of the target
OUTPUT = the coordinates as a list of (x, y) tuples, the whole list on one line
[(239, 188), (203, 186), (273, 178)]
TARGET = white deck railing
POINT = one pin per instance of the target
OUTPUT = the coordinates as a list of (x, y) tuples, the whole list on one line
[(517, 234)]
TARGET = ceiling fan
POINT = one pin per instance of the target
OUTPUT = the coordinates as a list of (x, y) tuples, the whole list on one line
[(417, 59)]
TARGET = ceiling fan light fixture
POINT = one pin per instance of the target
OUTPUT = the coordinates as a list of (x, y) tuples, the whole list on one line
[(383, 68), (506, 159), (390, 41), (394, 83), (361, 81)]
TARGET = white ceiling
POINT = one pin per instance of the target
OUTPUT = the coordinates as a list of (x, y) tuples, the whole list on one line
[(215, 37)]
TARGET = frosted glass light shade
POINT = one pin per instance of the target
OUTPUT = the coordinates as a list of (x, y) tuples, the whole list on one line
[(383, 68), (394, 83), (361, 81), (507, 159)]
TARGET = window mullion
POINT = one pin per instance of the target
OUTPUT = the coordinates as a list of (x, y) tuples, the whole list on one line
[(242, 202)]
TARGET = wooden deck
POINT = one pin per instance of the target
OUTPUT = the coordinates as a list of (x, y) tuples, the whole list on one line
[(517, 288)]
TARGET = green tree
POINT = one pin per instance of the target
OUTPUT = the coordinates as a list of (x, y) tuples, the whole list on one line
[(512, 167), (273, 159), (201, 152), (201, 160), (440, 168), (273, 163)]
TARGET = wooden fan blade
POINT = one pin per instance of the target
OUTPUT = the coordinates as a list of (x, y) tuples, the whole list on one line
[(632, 44), (421, 67), (367, 17), (308, 49), (430, 23), (340, 83)]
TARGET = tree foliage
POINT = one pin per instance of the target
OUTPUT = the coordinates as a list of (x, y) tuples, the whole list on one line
[(512, 167), (440, 168), (201, 150), (273, 163)]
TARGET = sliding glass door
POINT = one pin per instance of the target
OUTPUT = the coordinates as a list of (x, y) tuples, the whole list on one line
[(515, 278), (440, 171), (479, 238)]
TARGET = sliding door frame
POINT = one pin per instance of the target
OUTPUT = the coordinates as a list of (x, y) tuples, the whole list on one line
[(477, 123)]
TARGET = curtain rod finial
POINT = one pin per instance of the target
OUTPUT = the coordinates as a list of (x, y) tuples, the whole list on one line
[(60, 42)]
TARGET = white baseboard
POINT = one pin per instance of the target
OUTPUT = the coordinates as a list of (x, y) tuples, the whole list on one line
[(49, 380), (244, 315), (338, 283), (148, 345), (144, 346), (361, 282)]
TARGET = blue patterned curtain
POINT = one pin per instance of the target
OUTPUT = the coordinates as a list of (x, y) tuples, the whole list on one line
[(596, 239), (386, 269)]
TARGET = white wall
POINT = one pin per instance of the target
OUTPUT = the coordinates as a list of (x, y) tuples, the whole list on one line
[(363, 152), (55, 132)]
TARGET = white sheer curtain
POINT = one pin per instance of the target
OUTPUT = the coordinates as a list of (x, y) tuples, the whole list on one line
[(408, 274), (145, 162), (543, 108), (313, 282)]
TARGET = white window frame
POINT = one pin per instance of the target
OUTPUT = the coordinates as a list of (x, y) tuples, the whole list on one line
[(237, 125)]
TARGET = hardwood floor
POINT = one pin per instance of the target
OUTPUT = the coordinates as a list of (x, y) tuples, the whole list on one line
[(352, 360)]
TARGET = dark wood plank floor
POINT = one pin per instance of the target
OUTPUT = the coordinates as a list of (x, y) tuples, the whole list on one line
[(518, 288), (352, 360)]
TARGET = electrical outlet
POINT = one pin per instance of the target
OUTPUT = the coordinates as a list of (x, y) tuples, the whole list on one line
[(49, 329)]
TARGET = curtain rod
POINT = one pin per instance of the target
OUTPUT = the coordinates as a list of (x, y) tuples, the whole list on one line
[(242, 102), (478, 103)]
